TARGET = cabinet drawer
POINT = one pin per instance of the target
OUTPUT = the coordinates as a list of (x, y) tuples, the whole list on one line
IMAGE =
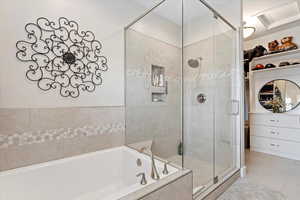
[(280, 120), (276, 147), (276, 132)]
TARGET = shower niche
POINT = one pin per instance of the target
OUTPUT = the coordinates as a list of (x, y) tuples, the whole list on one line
[(159, 84)]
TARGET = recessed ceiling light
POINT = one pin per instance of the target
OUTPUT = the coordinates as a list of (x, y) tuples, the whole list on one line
[(248, 31)]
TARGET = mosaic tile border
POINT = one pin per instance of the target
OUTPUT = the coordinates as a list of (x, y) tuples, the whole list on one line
[(203, 76), (147, 75), (35, 137)]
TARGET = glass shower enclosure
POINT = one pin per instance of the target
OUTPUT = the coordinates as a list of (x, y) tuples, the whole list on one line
[(181, 89)]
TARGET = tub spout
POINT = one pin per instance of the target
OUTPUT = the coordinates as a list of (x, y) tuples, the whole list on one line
[(154, 172)]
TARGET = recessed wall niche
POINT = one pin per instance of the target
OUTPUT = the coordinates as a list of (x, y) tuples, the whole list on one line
[(159, 85)]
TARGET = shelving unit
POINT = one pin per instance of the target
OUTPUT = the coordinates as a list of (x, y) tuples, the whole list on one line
[(289, 56), (276, 68), (266, 94), (272, 133), (274, 55), (258, 78)]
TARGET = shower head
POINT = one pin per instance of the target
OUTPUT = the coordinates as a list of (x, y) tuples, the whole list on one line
[(194, 63)]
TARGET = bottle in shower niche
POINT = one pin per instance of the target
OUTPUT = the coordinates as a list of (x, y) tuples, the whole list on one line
[(158, 76), (158, 89), (180, 149), (156, 80), (161, 80)]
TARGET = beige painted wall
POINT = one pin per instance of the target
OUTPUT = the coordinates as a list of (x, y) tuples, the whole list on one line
[(38, 126), (264, 40)]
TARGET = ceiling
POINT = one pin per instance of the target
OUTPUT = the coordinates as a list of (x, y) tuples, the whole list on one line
[(266, 16), (171, 9), (270, 15)]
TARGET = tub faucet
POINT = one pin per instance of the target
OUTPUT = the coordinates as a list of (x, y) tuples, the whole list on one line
[(154, 172)]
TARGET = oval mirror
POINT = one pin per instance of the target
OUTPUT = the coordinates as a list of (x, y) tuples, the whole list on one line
[(279, 96)]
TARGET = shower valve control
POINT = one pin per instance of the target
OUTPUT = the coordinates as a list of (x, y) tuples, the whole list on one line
[(201, 98)]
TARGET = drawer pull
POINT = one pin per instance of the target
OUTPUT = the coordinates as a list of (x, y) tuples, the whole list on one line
[(274, 133), (273, 120), (275, 145)]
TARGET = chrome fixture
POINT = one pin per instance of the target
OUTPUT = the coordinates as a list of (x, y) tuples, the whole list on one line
[(195, 63), (143, 180), (166, 171), (201, 98), (139, 162), (154, 172)]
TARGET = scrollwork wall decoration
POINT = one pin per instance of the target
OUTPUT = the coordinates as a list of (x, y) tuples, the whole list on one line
[(61, 56)]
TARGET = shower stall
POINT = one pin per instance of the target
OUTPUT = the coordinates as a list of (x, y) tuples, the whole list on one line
[(182, 97)]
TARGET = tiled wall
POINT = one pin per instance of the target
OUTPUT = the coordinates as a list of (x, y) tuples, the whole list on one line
[(159, 122), (29, 136), (176, 186), (181, 189)]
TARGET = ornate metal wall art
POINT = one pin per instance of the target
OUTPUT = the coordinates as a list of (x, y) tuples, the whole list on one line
[(61, 56)]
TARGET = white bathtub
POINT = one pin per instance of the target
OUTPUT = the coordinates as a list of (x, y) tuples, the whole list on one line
[(107, 174)]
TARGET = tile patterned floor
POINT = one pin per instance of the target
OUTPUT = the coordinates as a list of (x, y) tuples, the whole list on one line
[(268, 178)]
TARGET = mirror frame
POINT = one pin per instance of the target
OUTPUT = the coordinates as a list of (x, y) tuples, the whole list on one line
[(279, 79)]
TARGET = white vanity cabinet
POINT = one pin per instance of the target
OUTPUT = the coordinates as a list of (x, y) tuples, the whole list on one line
[(275, 120), (274, 133), (277, 134)]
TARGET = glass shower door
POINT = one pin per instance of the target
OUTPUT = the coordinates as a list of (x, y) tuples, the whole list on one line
[(226, 108), (198, 122), (180, 89), (208, 95)]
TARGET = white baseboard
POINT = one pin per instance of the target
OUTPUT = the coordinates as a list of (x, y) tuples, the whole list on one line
[(279, 154)]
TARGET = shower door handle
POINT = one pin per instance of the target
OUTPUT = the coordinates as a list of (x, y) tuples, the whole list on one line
[(235, 107)]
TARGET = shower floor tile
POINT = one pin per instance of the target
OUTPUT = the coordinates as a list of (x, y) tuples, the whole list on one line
[(202, 170)]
